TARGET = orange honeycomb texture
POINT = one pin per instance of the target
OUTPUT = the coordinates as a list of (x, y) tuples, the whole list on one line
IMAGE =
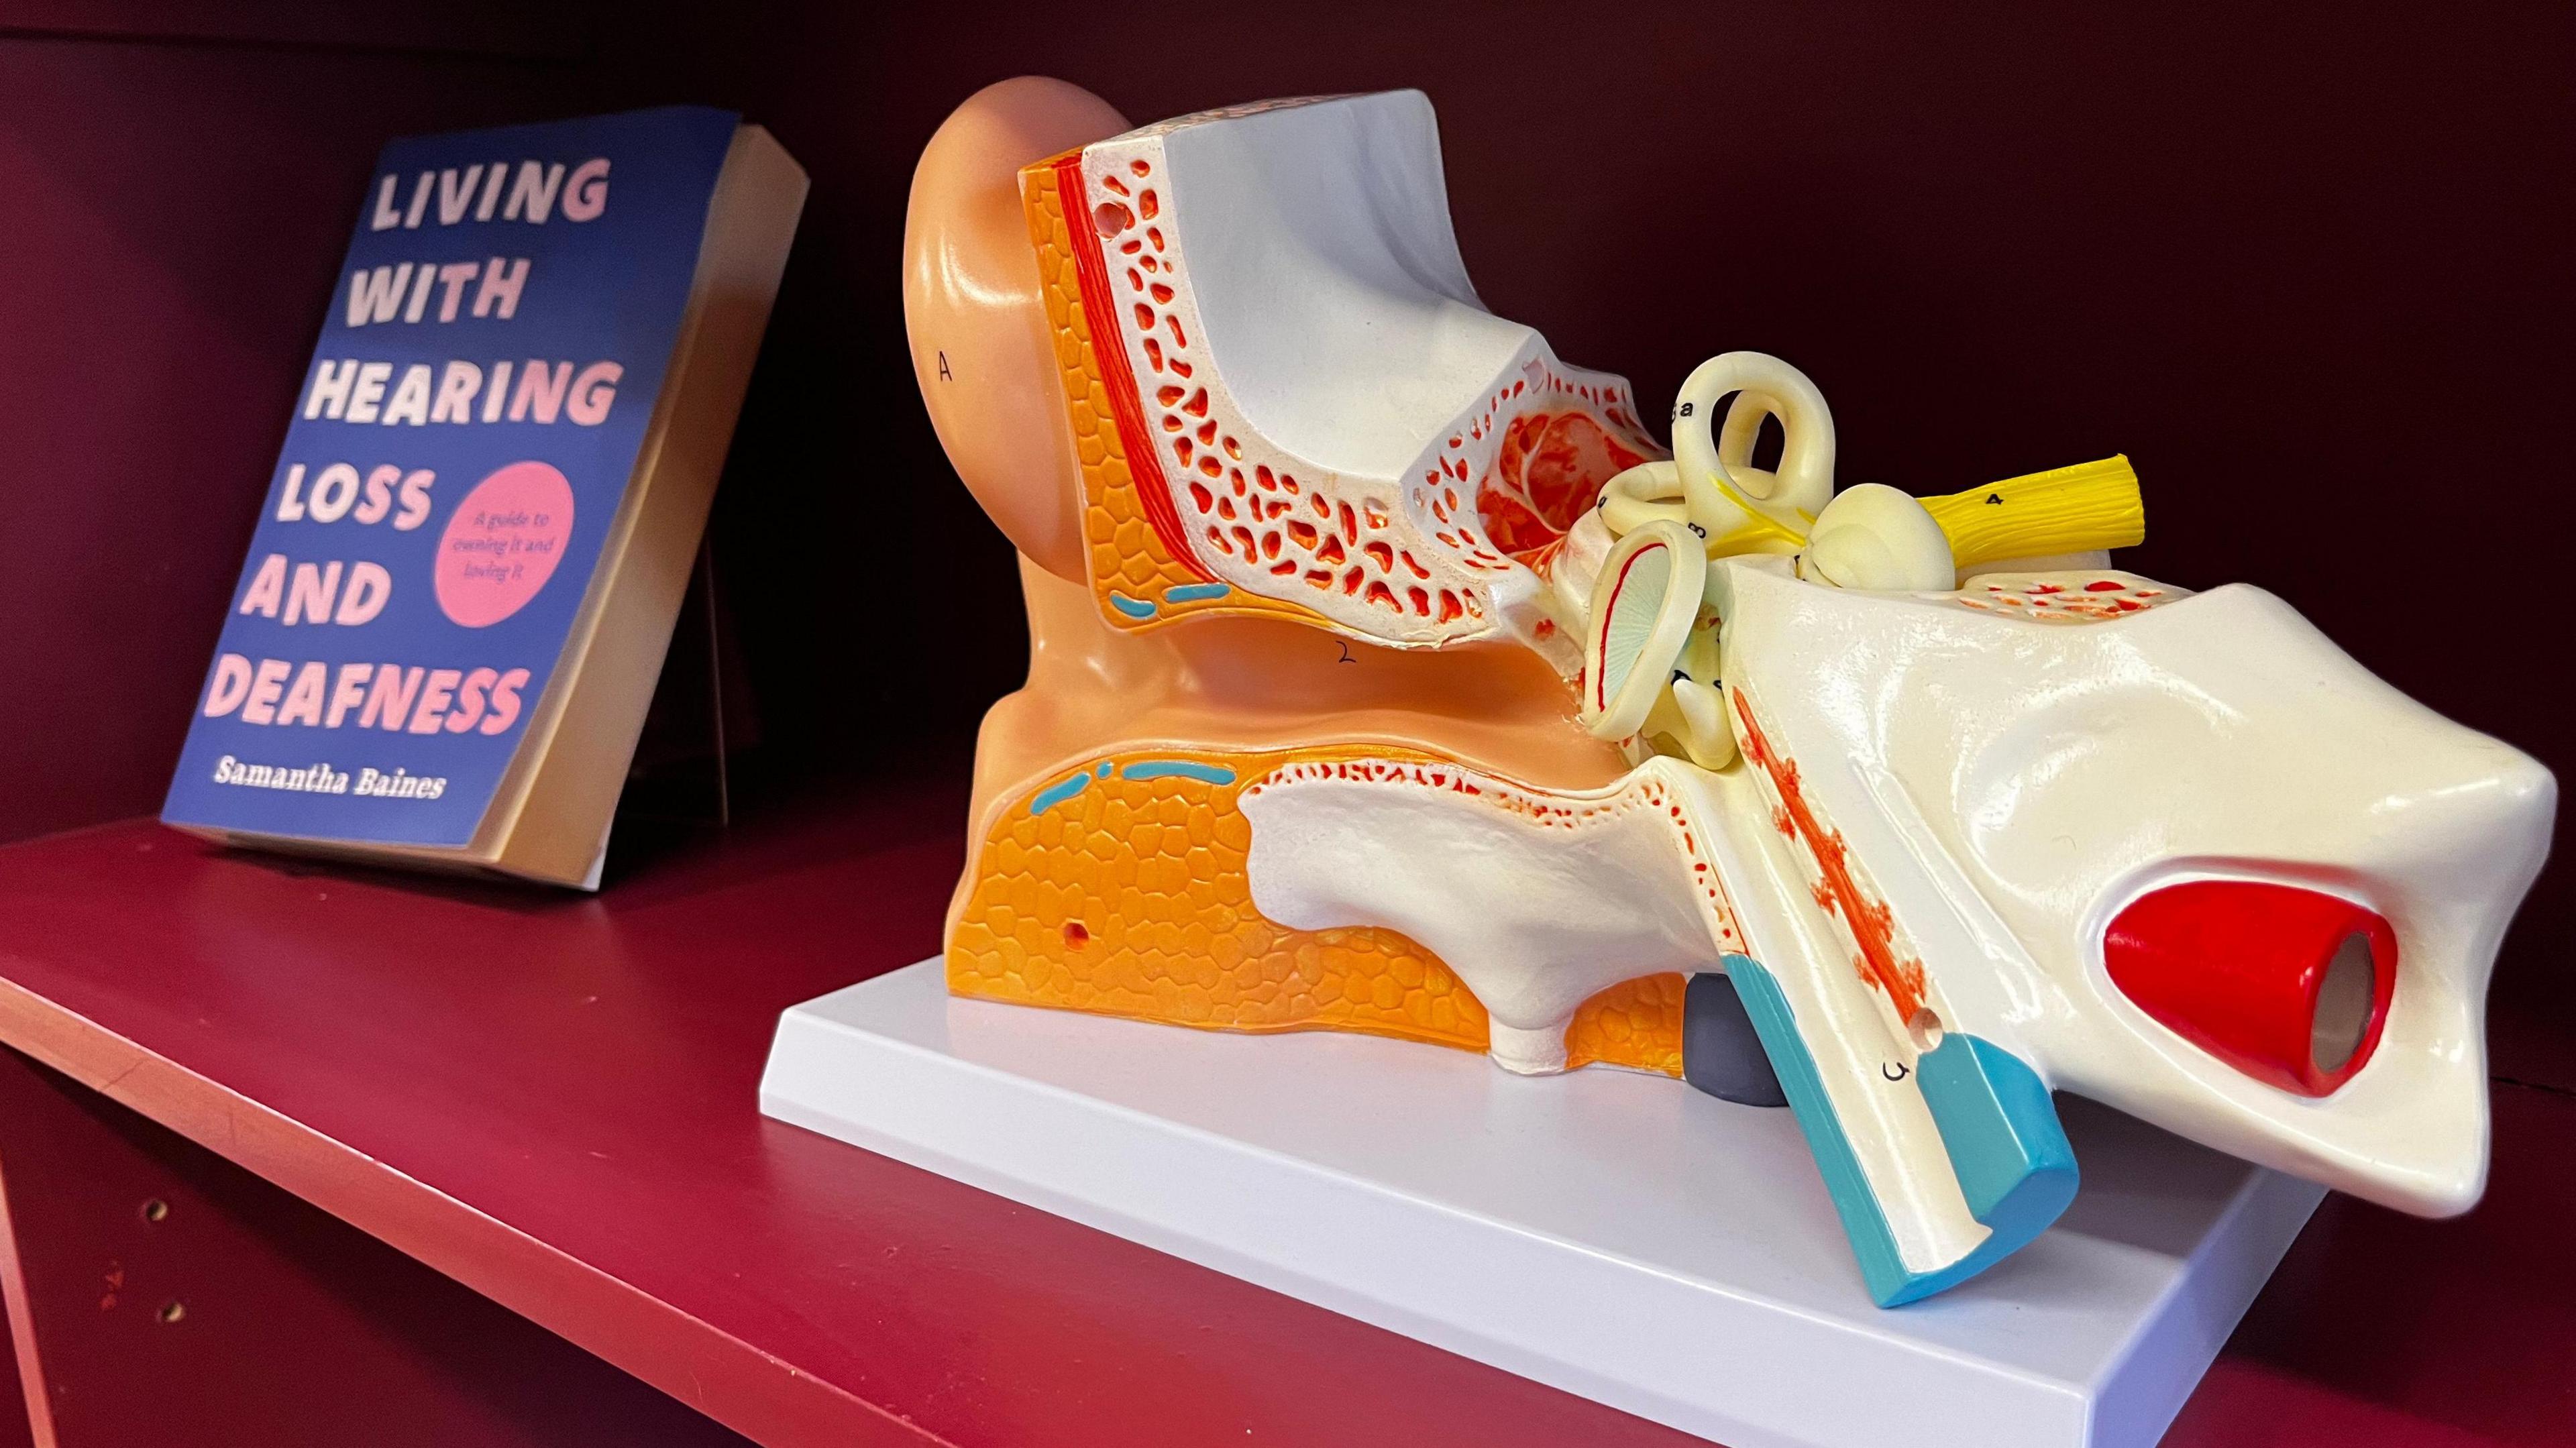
[(1129, 898)]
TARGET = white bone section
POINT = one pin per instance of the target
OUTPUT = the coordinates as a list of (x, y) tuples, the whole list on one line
[(2006, 784), (2012, 785), (1316, 293), (1536, 899)]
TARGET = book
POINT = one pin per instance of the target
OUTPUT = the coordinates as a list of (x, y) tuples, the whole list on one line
[(471, 556)]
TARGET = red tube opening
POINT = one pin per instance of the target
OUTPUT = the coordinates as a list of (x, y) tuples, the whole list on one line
[(2289, 986)]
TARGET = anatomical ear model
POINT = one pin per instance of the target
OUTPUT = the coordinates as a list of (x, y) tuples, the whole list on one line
[(1387, 677)]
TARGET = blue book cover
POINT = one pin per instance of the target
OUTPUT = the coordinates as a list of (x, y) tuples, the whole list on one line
[(464, 440)]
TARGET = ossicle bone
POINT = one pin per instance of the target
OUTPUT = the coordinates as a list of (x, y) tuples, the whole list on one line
[(1706, 735)]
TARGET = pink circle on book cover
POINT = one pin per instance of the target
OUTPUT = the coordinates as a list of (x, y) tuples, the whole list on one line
[(503, 544)]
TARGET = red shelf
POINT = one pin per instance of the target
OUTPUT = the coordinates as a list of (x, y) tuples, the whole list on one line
[(552, 1100)]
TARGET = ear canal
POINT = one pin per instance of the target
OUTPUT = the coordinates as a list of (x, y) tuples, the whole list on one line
[(975, 312)]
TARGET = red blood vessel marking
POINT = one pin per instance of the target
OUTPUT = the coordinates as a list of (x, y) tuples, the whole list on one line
[(1098, 303), (1872, 923), (1609, 611), (1549, 469)]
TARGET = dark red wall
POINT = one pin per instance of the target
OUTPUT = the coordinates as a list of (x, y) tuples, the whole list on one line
[(2306, 267)]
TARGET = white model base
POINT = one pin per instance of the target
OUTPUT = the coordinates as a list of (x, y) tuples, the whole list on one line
[(1616, 1235)]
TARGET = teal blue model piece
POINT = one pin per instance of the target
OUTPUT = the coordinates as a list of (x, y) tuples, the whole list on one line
[(1058, 792), (1177, 769), (2011, 1155), (2001, 1132)]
